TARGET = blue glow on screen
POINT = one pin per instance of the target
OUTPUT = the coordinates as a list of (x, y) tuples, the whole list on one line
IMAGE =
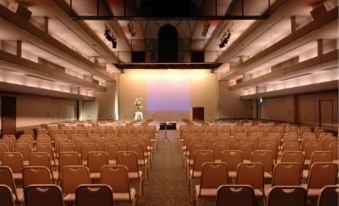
[(165, 94)]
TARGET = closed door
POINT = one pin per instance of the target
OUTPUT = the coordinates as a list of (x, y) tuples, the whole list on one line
[(198, 113), (326, 114), (8, 108)]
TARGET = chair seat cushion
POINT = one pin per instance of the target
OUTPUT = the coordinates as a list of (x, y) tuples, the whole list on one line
[(125, 196), (70, 197), (135, 175), (205, 192)]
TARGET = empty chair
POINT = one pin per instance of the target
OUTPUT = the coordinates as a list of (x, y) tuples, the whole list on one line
[(94, 194), (265, 157), (213, 175), (6, 178), (36, 175), (40, 159), (291, 137), (218, 148), (246, 148), (116, 176), (6, 198), (309, 149), (85, 149), (130, 160), (65, 147), (251, 174), (72, 177), (321, 174), (287, 195), (327, 141), (239, 195), (232, 158), (111, 149), (290, 146), (48, 148), (14, 161), (293, 156), (271, 146), (68, 158), (25, 150), (321, 156), (285, 174), (143, 162), (42, 195), (329, 195), (3, 148), (95, 160)]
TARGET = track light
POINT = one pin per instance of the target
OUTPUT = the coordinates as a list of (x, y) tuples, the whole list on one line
[(224, 39), (110, 37)]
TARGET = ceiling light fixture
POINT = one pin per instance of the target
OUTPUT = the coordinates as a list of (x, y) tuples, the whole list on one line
[(110, 37), (224, 39)]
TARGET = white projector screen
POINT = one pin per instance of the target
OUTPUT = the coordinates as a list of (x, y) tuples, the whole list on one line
[(168, 94)]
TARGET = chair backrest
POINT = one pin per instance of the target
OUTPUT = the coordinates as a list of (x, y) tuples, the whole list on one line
[(65, 147), (290, 146), (287, 174), (329, 195), (334, 148), (321, 156), (40, 159), (293, 156), (271, 146), (3, 148), (327, 141), (45, 147), (36, 175), (94, 194), (218, 148), (322, 174), (69, 158), (138, 148), (246, 148), (239, 195), (200, 157), (291, 137), (86, 148), (6, 178), (287, 195), (13, 160), (129, 159), (96, 159), (116, 176), (42, 195), (256, 177), (73, 176), (195, 146), (232, 158), (213, 175), (265, 157), (112, 150), (24, 149), (6, 198), (312, 147)]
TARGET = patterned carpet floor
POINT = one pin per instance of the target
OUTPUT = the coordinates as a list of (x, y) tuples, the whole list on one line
[(167, 185)]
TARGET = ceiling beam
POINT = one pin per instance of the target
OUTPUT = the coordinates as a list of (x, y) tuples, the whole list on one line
[(39, 37), (22, 89), (324, 61), (46, 71), (318, 87), (309, 32)]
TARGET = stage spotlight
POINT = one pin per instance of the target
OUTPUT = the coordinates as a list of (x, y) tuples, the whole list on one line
[(108, 35)]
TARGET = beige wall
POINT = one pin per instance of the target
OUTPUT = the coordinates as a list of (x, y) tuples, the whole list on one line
[(302, 108), (34, 110), (103, 105), (308, 108), (230, 105), (279, 109), (133, 83)]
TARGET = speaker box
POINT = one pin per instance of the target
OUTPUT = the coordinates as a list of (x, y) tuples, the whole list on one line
[(197, 56), (138, 56)]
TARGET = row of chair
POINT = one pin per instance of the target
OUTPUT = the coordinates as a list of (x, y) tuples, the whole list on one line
[(116, 178)]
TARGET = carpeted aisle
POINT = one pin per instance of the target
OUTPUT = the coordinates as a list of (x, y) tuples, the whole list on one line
[(167, 185)]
